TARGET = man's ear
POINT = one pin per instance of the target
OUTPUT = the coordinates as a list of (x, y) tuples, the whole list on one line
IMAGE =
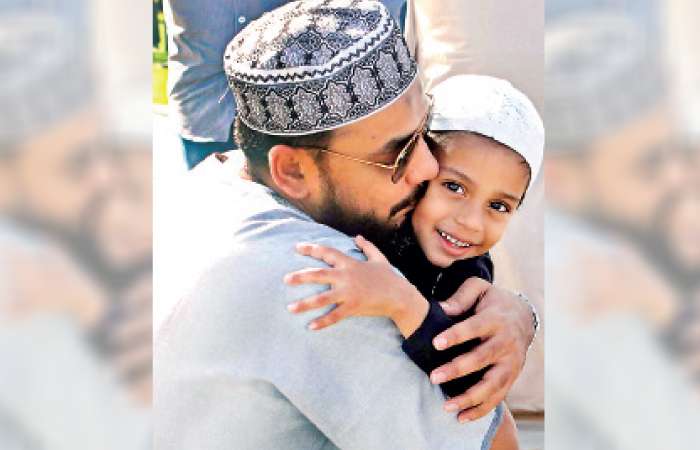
[(290, 171)]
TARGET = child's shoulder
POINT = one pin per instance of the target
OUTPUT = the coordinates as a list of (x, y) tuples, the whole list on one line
[(479, 266), (453, 276)]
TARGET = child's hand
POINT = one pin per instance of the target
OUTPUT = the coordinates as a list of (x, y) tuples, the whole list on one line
[(358, 288)]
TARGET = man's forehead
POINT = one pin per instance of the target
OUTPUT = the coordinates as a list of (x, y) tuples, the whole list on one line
[(64, 137), (636, 140)]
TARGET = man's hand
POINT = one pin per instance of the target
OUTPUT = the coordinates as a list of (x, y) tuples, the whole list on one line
[(504, 323)]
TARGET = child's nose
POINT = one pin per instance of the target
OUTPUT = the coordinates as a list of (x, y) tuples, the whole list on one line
[(471, 218)]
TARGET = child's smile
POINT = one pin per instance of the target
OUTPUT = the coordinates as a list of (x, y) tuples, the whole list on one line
[(453, 245), (467, 207)]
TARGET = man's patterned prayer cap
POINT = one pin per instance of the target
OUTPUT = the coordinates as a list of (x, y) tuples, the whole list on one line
[(600, 75), (311, 66), (46, 74)]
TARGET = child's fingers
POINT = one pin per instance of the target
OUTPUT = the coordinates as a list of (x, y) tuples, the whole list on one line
[(310, 275), (334, 316), (370, 250), (314, 302), (328, 255)]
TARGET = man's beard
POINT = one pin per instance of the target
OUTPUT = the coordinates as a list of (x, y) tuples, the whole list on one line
[(650, 238), (665, 249), (343, 218), (80, 240)]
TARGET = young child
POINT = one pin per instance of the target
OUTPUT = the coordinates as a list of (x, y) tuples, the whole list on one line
[(488, 140)]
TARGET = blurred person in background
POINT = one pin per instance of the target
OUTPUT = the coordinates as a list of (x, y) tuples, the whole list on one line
[(200, 106), (613, 163), (613, 171), (675, 249), (60, 175), (73, 185), (120, 255), (51, 171)]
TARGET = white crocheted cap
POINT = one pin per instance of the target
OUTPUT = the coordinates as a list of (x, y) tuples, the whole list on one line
[(493, 108)]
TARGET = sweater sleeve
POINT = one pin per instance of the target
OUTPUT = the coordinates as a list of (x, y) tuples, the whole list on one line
[(419, 346)]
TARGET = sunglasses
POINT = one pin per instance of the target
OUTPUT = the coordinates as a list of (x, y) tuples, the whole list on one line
[(398, 168)]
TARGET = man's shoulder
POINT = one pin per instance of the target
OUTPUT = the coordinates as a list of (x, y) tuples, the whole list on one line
[(231, 275), (254, 215), (245, 230)]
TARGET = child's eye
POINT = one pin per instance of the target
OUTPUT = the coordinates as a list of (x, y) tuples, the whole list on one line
[(454, 187), (500, 207)]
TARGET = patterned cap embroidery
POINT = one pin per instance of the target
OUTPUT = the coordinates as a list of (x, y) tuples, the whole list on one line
[(311, 66)]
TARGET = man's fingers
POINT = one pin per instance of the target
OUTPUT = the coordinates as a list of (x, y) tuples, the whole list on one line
[(466, 296), (328, 255), (473, 397), (487, 393), (310, 275), (471, 328), (451, 308), (334, 316), (370, 250), (475, 412), (483, 355), (498, 379), (325, 298)]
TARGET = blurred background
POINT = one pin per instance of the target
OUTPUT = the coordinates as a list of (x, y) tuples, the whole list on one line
[(75, 224), (621, 103), (622, 234)]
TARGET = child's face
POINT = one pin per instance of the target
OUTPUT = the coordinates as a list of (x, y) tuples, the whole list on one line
[(467, 207)]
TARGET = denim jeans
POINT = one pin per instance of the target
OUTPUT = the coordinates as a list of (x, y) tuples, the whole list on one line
[(196, 152)]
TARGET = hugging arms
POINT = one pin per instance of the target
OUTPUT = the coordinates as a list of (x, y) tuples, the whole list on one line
[(480, 330)]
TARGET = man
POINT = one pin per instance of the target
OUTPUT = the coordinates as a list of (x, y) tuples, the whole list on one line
[(57, 170), (611, 172), (330, 122)]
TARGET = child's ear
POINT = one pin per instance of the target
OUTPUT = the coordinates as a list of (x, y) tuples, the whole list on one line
[(290, 171)]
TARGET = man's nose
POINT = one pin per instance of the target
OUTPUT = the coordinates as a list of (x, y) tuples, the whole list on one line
[(102, 173), (423, 165)]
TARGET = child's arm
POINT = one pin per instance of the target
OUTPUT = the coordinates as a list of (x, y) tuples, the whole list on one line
[(370, 288), (420, 349)]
